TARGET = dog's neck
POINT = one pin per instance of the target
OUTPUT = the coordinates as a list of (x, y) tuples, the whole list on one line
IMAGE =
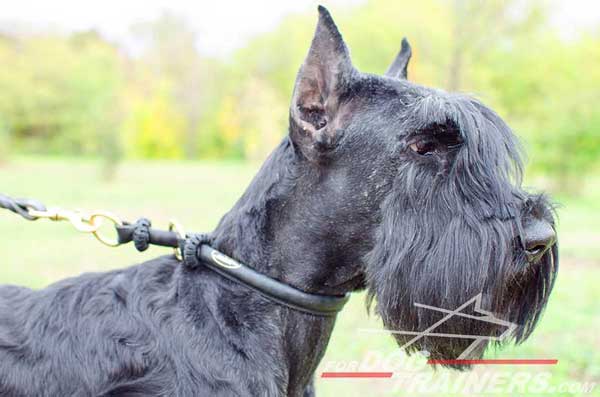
[(280, 228)]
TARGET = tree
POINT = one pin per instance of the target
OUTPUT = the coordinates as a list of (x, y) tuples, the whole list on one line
[(169, 53), (58, 91), (477, 27)]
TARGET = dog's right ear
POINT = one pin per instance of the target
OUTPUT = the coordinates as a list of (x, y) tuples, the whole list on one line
[(398, 68), (316, 115)]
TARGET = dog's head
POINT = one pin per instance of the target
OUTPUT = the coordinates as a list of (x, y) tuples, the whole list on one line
[(434, 179)]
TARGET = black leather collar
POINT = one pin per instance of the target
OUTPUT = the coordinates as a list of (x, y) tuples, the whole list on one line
[(197, 252), (320, 305)]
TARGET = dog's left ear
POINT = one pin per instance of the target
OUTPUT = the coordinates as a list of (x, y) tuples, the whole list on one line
[(398, 68), (316, 114)]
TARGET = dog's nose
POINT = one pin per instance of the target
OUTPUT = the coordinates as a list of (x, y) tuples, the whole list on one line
[(539, 237)]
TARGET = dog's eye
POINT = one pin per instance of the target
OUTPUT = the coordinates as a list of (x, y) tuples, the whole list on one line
[(423, 147)]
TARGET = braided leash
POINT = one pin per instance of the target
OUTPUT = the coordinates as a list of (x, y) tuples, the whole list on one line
[(21, 206)]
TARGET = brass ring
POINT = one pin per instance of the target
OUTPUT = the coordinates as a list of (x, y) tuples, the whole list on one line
[(100, 237), (176, 227)]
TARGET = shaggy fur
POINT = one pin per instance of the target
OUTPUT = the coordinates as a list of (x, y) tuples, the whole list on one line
[(410, 192)]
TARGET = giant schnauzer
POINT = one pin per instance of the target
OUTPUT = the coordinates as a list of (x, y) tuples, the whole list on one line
[(410, 192)]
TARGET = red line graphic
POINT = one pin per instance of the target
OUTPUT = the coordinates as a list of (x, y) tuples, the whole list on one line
[(357, 374), (495, 362)]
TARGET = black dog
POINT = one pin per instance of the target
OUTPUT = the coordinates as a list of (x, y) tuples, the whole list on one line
[(410, 192)]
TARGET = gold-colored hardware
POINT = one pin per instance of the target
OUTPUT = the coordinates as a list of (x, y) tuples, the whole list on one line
[(101, 216), (174, 226), (81, 221), (92, 222)]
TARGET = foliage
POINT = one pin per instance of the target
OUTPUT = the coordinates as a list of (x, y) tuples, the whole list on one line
[(57, 92), (79, 94), (155, 128)]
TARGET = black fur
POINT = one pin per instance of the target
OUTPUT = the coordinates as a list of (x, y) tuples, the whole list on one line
[(411, 192)]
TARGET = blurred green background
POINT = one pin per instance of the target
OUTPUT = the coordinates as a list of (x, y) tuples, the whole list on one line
[(165, 130)]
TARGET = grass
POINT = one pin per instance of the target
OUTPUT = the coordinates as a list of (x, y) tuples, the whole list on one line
[(197, 194)]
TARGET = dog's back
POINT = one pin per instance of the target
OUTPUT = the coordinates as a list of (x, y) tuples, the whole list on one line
[(146, 330), (89, 335)]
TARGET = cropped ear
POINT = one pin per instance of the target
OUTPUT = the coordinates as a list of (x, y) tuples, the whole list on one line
[(316, 114), (398, 68)]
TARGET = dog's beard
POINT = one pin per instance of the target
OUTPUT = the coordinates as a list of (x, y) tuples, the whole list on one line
[(444, 258)]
